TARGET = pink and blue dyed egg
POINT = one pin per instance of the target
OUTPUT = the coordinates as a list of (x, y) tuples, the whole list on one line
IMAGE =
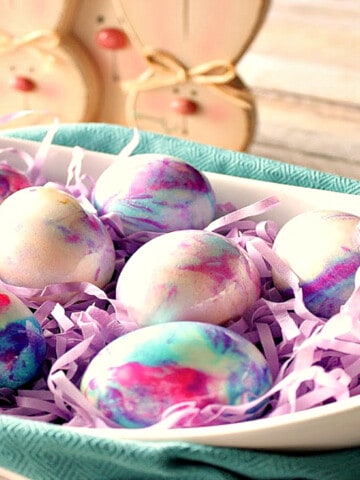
[(11, 180), (322, 248), (135, 378), (47, 237), (22, 343), (194, 275), (156, 193)]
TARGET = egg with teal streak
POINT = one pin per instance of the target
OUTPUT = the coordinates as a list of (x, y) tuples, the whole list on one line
[(194, 275), (322, 247), (22, 343), (157, 193), (136, 377)]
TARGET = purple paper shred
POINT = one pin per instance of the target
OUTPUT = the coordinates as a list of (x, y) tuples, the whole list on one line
[(313, 361)]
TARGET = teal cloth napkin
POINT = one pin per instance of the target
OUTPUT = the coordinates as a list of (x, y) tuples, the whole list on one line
[(111, 139), (49, 452)]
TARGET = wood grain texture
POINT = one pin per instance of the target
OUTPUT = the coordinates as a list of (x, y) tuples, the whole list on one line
[(304, 68)]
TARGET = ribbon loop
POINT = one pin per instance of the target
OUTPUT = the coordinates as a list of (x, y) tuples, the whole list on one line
[(216, 72), (166, 64), (41, 41)]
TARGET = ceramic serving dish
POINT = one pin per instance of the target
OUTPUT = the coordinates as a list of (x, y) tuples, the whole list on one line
[(336, 425)]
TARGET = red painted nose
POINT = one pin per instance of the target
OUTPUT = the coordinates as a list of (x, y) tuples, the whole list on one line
[(184, 106), (111, 38), (23, 84)]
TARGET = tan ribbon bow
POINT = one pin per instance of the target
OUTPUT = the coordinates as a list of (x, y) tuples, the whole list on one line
[(40, 41), (166, 70), (214, 72)]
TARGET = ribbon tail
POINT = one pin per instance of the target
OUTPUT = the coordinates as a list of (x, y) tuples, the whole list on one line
[(236, 92)]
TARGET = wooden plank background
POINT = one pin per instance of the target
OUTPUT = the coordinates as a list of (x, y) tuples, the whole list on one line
[(304, 68)]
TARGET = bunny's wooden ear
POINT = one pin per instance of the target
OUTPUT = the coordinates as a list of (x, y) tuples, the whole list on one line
[(37, 15), (102, 28), (196, 32)]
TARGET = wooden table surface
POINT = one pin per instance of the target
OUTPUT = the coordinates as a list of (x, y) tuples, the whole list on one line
[(304, 68)]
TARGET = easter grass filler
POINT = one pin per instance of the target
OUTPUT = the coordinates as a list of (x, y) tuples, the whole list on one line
[(313, 361)]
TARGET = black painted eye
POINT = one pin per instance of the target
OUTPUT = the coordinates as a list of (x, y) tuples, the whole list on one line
[(100, 19), (176, 90), (193, 92), (31, 69), (12, 68)]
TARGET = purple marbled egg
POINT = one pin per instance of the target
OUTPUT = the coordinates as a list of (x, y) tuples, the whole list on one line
[(156, 193)]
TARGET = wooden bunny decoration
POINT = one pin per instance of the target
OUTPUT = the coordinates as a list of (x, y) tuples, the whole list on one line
[(43, 68), (190, 88)]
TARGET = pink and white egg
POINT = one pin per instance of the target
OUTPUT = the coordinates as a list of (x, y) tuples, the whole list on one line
[(48, 238), (188, 275)]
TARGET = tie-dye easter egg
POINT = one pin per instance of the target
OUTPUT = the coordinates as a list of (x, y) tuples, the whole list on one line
[(322, 247), (11, 180), (135, 378), (22, 343), (47, 237), (185, 275), (157, 193)]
